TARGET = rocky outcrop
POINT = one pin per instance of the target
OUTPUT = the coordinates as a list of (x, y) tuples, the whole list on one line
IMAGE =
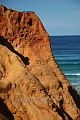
[(32, 86)]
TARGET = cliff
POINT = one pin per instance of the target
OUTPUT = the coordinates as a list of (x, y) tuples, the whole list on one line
[(32, 86)]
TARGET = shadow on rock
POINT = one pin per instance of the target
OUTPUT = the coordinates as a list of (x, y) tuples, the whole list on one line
[(75, 96), (5, 111), (4, 42)]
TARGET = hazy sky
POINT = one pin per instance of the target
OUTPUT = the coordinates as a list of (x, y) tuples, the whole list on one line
[(59, 17)]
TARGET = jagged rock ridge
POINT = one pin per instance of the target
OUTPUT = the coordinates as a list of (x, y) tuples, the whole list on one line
[(32, 86)]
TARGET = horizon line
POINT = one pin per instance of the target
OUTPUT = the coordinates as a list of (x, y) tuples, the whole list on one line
[(64, 35)]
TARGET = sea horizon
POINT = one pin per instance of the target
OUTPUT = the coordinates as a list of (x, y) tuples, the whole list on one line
[(63, 35)]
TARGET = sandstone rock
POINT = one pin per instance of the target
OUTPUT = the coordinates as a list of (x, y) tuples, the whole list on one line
[(32, 86)]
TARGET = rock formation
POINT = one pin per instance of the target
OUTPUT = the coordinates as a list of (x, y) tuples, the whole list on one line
[(32, 86)]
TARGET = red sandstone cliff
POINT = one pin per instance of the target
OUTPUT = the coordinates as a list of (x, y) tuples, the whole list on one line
[(32, 86)]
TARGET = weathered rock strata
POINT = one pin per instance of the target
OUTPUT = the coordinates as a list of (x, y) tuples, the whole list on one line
[(32, 86)]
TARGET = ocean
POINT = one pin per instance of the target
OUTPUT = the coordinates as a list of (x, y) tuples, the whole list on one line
[(66, 50)]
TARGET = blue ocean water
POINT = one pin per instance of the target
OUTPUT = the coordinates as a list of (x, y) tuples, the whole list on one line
[(66, 50)]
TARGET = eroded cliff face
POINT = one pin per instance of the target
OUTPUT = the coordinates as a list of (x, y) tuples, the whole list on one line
[(32, 86)]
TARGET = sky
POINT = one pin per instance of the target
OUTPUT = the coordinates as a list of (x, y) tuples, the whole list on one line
[(59, 17)]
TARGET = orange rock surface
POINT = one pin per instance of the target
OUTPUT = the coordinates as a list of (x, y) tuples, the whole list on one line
[(32, 86)]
